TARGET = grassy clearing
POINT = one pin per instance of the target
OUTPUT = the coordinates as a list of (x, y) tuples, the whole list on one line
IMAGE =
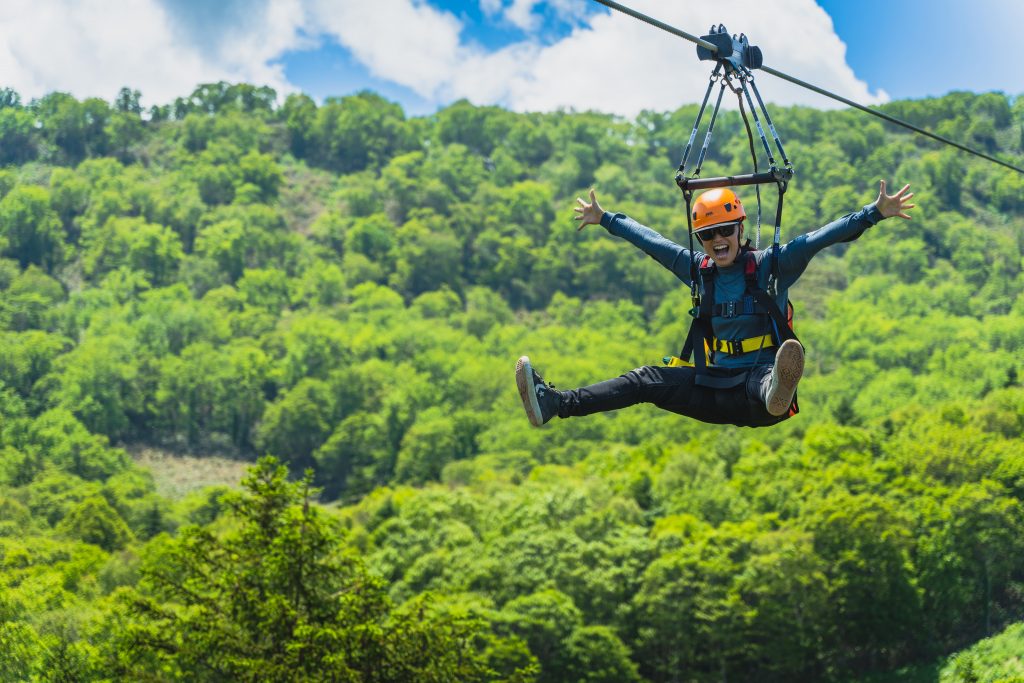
[(177, 475)]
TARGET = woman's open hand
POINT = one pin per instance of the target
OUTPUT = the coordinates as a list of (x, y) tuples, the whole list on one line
[(894, 204), (588, 214)]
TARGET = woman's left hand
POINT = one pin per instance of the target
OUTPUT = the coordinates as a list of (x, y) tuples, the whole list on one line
[(894, 204)]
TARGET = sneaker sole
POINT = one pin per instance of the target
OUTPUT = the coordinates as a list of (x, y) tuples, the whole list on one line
[(789, 368), (527, 390)]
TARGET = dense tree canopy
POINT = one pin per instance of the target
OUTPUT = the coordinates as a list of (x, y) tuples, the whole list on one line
[(346, 288)]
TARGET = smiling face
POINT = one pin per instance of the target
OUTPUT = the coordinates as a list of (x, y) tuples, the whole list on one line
[(722, 250)]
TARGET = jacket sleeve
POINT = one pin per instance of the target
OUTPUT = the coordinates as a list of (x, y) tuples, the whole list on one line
[(795, 255), (666, 252)]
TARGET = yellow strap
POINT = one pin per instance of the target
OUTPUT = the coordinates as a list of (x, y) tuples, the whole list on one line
[(677, 362), (723, 346), (746, 345)]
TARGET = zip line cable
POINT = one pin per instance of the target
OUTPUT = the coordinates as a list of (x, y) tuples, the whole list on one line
[(611, 4)]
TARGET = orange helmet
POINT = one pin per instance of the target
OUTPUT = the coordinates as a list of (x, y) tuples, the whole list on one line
[(720, 205)]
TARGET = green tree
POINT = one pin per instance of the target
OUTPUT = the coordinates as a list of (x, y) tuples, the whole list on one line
[(26, 357), (32, 230), (125, 130), (546, 620), (154, 250), (597, 655), (279, 597), (69, 197), (427, 447), (298, 423), (18, 140), (262, 171), (481, 129), (360, 130), (30, 300), (427, 260), (356, 458), (94, 521), (99, 382), (216, 183), (127, 101), (58, 437), (264, 288), (188, 392), (298, 113)]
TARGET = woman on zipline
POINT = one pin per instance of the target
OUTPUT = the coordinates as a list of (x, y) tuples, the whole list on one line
[(740, 380)]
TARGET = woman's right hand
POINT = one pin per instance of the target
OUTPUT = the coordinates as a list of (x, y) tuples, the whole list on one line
[(588, 214)]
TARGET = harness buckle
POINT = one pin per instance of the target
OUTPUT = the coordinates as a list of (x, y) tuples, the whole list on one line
[(729, 309), (734, 346)]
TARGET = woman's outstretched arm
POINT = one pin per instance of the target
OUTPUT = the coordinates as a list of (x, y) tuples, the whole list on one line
[(666, 252)]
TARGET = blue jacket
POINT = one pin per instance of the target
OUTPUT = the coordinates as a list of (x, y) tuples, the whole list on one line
[(730, 284)]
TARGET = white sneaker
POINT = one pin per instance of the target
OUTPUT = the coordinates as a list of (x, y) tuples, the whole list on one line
[(540, 399), (786, 374)]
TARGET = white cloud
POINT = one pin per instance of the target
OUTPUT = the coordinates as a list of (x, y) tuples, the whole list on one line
[(491, 8), (609, 62), (405, 41), (619, 64), (520, 14), (92, 48)]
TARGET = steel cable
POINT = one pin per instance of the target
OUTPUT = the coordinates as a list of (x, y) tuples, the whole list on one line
[(803, 84)]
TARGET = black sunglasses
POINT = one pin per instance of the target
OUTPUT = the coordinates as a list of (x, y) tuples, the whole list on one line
[(725, 230)]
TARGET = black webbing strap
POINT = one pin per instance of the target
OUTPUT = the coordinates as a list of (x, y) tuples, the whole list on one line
[(700, 115), (767, 118), (778, 235), (745, 77), (711, 129), (757, 121), (753, 157), (764, 300), (777, 316), (694, 294), (745, 306), (701, 329)]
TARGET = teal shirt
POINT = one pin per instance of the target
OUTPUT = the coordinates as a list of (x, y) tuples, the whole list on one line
[(730, 284)]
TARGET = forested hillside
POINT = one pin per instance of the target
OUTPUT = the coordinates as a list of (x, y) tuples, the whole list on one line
[(346, 288)]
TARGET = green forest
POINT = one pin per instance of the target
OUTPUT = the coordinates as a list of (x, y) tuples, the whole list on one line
[(336, 294)]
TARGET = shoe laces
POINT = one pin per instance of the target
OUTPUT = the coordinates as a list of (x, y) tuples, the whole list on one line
[(539, 381)]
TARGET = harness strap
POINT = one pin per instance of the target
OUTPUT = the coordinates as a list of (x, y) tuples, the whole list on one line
[(780, 321), (778, 236), (750, 269), (731, 309), (700, 115), (700, 326), (735, 346), (756, 302)]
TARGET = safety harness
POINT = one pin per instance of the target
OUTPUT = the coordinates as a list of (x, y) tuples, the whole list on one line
[(755, 302)]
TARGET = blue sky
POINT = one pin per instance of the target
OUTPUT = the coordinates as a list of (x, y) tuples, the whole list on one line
[(914, 49), (527, 55)]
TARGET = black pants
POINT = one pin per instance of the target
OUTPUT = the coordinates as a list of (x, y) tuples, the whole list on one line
[(678, 390)]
